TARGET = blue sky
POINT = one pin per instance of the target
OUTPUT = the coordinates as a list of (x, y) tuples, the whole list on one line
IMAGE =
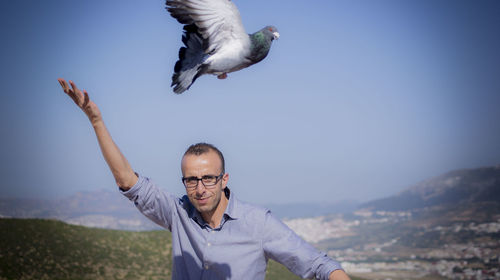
[(357, 100)]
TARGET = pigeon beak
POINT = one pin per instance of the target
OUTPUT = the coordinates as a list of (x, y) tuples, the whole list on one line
[(276, 35)]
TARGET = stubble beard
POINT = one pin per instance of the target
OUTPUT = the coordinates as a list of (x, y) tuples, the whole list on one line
[(209, 208)]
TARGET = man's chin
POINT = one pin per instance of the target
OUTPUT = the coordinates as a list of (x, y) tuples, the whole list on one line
[(204, 208)]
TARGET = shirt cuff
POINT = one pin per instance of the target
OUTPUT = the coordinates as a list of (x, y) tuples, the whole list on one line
[(133, 192), (327, 268)]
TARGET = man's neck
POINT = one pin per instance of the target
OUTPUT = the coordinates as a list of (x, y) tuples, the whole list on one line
[(214, 218)]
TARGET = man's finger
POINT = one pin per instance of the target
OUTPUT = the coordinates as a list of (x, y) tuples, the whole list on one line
[(73, 85), (64, 85), (75, 89), (66, 90), (86, 100), (61, 81), (78, 96)]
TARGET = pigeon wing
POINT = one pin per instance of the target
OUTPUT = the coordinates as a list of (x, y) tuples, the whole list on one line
[(218, 21)]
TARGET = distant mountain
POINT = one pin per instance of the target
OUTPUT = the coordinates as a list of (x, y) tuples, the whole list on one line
[(461, 205), (458, 187), (475, 191), (108, 209), (103, 209)]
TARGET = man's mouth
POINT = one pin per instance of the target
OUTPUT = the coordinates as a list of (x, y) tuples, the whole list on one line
[(202, 200)]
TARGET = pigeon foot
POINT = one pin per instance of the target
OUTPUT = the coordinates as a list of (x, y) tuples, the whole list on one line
[(222, 76)]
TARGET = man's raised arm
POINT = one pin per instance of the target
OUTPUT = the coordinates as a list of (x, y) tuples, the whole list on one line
[(124, 175)]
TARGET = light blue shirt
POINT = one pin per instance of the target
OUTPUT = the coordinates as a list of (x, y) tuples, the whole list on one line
[(238, 249)]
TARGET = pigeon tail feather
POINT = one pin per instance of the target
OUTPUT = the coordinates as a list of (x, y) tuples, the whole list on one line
[(191, 58)]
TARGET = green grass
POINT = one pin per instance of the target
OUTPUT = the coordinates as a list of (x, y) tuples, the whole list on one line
[(49, 249)]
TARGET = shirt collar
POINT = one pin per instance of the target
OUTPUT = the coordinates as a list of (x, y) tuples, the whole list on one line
[(231, 209)]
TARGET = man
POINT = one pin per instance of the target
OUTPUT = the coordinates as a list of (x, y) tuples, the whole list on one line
[(214, 235)]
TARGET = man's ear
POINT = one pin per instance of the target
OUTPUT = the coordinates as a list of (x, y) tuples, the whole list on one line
[(225, 179)]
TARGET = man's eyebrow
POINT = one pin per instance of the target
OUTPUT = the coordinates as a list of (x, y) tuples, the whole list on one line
[(211, 175)]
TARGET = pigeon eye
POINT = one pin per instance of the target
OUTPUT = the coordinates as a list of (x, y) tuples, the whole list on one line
[(270, 29)]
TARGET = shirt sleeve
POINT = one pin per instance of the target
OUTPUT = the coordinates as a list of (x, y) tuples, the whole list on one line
[(151, 201), (283, 245)]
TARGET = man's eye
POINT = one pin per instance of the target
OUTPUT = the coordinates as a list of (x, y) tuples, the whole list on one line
[(208, 177)]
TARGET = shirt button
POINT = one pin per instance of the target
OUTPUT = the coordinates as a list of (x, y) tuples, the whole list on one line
[(209, 244), (206, 266)]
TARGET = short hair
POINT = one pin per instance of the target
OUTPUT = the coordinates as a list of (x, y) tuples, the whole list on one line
[(203, 148)]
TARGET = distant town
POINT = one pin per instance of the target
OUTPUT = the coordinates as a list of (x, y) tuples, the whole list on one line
[(477, 258)]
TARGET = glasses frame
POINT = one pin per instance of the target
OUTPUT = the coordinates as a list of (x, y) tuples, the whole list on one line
[(217, 179)]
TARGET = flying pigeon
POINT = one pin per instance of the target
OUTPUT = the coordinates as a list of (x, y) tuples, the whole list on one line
[(215, 41)]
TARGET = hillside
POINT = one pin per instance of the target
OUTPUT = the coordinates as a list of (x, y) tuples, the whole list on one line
[(447, 226), (102, 209), (466, 187), (49, 249)]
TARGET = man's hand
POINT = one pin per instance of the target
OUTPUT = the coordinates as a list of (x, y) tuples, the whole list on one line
[(338, 275), (82, 100)]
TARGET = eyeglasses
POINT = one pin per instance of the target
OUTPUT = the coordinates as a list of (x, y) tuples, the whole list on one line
[(208, 181)]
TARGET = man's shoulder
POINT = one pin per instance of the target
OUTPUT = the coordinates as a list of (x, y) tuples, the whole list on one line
[(250, 210)]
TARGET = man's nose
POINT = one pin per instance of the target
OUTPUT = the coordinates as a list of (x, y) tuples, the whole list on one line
[(199, 188)]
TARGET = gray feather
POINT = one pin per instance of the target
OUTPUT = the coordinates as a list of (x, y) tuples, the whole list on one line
[(191, 57)]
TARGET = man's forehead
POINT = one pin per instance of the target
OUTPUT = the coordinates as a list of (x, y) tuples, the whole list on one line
[(209, 160), (210, 155)]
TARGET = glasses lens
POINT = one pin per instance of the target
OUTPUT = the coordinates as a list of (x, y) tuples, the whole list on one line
[(209, 180), (190, 182)]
